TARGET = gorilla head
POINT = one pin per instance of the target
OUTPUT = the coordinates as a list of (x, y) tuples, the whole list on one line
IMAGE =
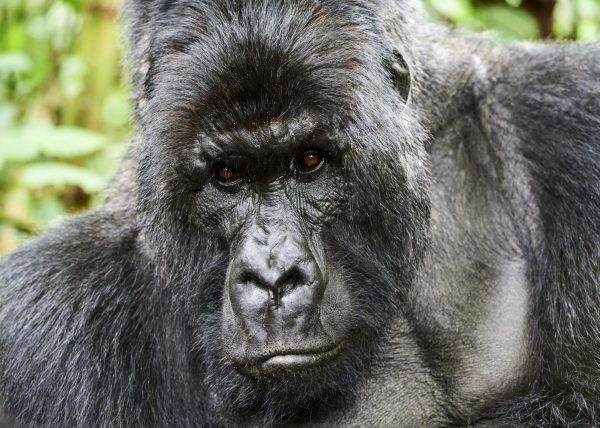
[(277, 147)]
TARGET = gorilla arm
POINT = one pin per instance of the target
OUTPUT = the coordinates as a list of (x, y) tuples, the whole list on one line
[(71, 324)]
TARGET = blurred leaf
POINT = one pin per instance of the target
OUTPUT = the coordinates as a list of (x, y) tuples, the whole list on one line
[(13, 36), (47, 211), (589, 9), (509, 22), (70, 142), (115, 111), (26, 142), (60, 175), (11, 5), (77, 4), (456, 10), (588, 30), (59, 26), (72, 73), (564, 19), (8, 111), (15, 149), (34, 6), (14, 62)]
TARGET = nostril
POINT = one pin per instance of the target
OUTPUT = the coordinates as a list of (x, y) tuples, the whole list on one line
[(293, 277), (253, 279), (274, 282)]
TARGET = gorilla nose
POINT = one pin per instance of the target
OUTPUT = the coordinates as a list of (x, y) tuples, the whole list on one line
[(273, 292), (277, 268)]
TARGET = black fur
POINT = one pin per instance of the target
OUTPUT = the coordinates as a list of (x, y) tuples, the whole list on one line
[(461, 217)]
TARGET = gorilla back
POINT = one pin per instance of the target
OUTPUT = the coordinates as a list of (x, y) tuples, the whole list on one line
[(333, 213)]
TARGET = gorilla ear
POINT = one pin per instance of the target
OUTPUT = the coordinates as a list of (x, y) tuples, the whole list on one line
[(399, 73)]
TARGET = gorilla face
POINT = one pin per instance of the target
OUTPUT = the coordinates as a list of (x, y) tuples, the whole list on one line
[(284, 306), (298, 169)]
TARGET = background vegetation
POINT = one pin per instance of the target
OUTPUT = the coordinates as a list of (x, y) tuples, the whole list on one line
[(64, 110)]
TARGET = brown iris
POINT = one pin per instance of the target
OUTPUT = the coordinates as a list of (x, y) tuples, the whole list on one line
[(309, 161), (227, 175)]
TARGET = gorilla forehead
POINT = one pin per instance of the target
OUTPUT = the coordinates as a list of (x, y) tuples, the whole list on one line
[(247, 62), (271, 139)]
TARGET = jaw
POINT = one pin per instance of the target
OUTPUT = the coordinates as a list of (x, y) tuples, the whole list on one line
[(284, 385)]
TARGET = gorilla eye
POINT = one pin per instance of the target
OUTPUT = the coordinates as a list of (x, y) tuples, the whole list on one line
[(227, 175), (310, 161)]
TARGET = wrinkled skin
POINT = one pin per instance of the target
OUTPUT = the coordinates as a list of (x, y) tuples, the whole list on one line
[(332, 214)]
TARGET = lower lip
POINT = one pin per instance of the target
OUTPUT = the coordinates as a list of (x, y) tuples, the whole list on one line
[(297, 361)]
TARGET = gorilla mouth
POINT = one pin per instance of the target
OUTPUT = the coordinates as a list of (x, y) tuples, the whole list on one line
[(299, 361), (293, 361)]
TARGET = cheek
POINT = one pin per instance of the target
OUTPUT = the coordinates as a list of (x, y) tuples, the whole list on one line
[(337, 305)]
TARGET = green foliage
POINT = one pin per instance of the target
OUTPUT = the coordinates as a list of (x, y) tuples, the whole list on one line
[(64, 111), (512, 19), (579, 19)]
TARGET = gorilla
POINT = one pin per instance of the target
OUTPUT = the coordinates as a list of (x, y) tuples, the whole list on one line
[(332, 213)]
